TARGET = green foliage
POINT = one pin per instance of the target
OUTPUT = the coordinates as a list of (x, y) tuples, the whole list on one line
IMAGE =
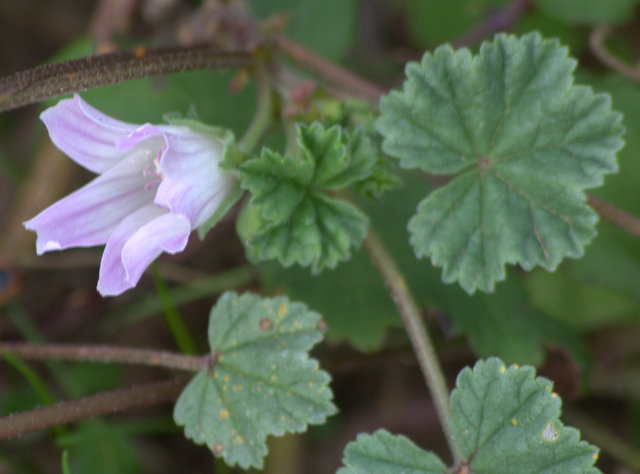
[(589, 12), (101, 448), (503, 419), (359, 310), (433, 22), (262, 381), (507, 420), (384, 452), (524, 143), (298, 222), (309, 22)]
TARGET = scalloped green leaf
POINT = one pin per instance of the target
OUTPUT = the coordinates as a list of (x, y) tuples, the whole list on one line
[(298, 221), (523, 142), (507, 420), (263, 381), (391, 454)]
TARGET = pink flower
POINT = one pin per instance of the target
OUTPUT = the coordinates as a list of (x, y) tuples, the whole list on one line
[(156, 184)]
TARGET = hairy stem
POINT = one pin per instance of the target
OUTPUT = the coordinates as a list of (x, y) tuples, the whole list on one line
[(108, 354), (52, 80), (417, 331), (264, 111), (102, 403)]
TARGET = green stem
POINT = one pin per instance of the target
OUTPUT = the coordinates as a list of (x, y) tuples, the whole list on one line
[(264, 111), (417, 331), (174, 321)]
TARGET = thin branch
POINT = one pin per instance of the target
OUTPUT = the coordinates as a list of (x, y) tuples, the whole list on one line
[(51, 80), (99, 404), (417, 331), (596, 41), (615, 215), (108, 354), (356, 85)]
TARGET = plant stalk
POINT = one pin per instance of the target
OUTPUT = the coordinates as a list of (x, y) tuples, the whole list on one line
[(107, 354), (417, 331)]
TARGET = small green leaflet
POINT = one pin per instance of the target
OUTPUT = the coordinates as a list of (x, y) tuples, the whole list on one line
[(523, 142), (298, 221), (504, 420), (262, 381)]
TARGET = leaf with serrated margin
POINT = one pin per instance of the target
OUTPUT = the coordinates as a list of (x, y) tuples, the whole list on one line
[(524, 143), (391, 454), (507, 420), (262, 381), (299, 222)]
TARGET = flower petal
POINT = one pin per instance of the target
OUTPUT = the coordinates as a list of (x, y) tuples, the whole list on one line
[(135, 243), (89, 215), (87, 135), (192, 184)]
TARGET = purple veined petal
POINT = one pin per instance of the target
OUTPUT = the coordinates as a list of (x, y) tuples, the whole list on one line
[(87, 135), (139, 135), (193, 184), (135, 243), (89, 215)]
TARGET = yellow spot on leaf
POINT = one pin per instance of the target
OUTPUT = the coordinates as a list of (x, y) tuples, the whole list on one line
[(226, 377), (502, 369), (595, 456), (514, 422), (282, 310), (224, 414)]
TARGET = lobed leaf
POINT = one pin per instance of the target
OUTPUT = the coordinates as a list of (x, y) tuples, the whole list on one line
[(263, 382), (524, 143), (507, 420), (298, 221), (503, 419)]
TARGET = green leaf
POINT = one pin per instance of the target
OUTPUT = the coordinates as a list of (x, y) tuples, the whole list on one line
[(589, 12), (507, 420), (262, 383), (299, 222), (524, 142), (391, 454)]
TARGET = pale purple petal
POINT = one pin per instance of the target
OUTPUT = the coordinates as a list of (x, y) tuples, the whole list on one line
[(89, 215), (85, 134), (193, 184), (135, 243), (139, 135)]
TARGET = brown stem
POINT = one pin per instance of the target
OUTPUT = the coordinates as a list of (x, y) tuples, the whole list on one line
[(356, 85), (615, 215), (56, 79), (99, 404), (107, 354), (598, 48)]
